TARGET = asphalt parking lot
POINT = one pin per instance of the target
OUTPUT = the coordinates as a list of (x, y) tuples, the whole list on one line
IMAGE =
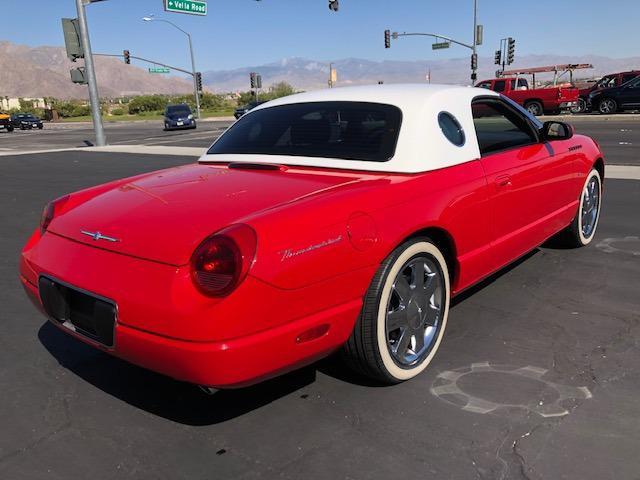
[(69, 135), (537, 377)]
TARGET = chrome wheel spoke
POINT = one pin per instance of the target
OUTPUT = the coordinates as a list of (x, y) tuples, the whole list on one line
[(402, 343), (402, 288), (431, 316), (418, 271), (397, 319)]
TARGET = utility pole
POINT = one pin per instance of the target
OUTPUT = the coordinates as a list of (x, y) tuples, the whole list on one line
[(94, 98)]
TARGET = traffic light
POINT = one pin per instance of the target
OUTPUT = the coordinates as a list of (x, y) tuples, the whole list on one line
[(474, 61), (199, 81), (127, 57), (71, 30), (253, 79), (511, 50), (498, 57), (334, 5), (387, 39)]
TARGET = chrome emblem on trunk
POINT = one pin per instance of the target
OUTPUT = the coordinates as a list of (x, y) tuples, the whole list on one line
[(98, 236)]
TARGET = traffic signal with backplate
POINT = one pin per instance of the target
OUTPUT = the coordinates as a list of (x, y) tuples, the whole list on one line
[(498, 57), (387, 39), (199, 81), (253, 79), (127, 57), (511, 50)]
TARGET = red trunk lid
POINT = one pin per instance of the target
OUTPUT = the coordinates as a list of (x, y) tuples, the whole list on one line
[(165, 215)]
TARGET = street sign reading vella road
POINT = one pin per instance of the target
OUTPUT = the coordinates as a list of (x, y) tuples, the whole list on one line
[(193, 7)]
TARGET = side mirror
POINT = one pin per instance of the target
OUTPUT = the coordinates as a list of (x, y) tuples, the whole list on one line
[(557, 131)]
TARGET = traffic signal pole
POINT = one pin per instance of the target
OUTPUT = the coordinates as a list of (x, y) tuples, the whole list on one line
[(94, 98), (196, 90)]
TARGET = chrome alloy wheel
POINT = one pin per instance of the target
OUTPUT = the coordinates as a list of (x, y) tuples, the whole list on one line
[(608, 106), (414, 311), (590, 206)]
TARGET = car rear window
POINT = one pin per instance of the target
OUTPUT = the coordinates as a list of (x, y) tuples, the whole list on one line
[(344, 130)]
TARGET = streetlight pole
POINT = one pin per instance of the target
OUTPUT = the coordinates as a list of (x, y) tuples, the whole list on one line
[(94, 98), (196, 93)]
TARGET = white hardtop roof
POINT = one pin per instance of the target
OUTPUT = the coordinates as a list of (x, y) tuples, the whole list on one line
[(421, 144)]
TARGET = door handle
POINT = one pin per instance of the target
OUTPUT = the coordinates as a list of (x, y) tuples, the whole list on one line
[(503, 181)]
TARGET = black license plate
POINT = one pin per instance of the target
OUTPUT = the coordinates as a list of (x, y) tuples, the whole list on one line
[(82, 312)]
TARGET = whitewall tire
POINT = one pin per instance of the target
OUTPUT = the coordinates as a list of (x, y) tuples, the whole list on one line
[(404, 314)]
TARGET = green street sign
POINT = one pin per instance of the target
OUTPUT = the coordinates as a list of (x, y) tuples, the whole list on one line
[(192, 7), (159, 70), (440, 45)]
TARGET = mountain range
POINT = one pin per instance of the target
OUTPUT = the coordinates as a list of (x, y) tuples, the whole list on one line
[(307, 74), (44, 72)]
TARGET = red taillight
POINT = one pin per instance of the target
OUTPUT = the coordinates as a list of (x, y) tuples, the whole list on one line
[(223, 260), (50, 211)]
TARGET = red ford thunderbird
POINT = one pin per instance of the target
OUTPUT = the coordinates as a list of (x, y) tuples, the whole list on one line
[(339, 220)]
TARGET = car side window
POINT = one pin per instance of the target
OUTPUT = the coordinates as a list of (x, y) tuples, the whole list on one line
[(499, 127), (499, 85), (486, 85), (626, 78), (635, 83)]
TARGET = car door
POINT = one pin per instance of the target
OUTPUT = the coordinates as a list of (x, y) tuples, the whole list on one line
[(531, 186), (629, 95)]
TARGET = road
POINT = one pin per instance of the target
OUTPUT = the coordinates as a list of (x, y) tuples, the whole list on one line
[(549, 346), (618, 136), (60, 136)]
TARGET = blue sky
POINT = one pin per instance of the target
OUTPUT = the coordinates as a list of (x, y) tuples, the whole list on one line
[(240, 33)]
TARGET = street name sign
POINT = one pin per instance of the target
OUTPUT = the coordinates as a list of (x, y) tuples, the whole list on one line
[(159, 70), (192, 7), (440, 45)]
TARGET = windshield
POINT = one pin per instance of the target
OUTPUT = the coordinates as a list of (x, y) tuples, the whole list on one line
[(344, 130), (180, 110)]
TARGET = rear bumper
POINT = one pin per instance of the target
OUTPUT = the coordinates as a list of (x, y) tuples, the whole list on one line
[(567, 105), (233, 360)]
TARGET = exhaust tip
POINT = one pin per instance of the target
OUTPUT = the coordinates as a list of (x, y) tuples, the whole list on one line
[(207, 390)]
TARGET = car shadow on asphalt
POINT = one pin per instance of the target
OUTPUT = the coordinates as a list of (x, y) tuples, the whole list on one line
[(162, 396), (184, 403)]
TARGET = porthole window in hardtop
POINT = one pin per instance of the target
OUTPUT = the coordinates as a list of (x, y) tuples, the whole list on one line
[(451, 128)]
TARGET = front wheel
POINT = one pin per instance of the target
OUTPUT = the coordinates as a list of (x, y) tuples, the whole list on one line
[(583, 227), (581, 107), (404, 314)]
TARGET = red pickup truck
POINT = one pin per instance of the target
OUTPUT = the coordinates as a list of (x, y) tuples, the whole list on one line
[(536, 100)]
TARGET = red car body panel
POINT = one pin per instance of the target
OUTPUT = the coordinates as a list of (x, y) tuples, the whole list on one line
[(322, 234)]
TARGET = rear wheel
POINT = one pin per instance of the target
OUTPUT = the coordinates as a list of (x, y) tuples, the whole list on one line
[(607, 106), (404, 314), (9, 128), (534, 108), (583, 228)]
